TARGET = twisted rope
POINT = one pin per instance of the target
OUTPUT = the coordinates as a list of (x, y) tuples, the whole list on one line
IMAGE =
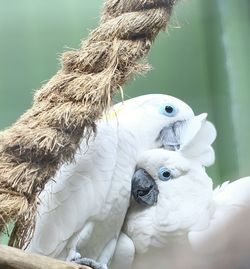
[(66, 108)]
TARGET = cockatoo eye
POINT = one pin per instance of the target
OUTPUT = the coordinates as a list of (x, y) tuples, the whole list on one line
[(169, 110), (164, 174)]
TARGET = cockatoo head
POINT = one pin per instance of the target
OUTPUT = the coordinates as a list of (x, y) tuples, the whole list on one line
[(170, 189), (154, 120)]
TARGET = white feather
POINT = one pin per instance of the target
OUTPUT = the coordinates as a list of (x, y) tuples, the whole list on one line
[(228, 201), (197, 138)]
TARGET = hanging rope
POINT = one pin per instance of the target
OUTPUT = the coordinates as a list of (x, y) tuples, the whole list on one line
[(66, 108)]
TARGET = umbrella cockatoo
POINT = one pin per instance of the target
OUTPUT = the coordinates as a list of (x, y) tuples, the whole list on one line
[(171, 195), (82, 209), (174, 204)]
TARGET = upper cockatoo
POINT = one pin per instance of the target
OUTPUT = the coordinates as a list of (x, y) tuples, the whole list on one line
[(173, 202), (82, 209)]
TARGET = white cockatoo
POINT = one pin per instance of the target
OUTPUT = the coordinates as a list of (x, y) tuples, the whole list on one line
[(82, 209), (173, 204), (171, 195)]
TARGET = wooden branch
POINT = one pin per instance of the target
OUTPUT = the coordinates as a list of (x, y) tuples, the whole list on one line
[(13, 258)]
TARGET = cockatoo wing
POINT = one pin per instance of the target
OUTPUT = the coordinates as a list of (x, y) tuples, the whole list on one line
[(229, 200), (73, 193)]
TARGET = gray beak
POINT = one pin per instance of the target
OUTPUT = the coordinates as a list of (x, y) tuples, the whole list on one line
[(170, 136), (144, 189)]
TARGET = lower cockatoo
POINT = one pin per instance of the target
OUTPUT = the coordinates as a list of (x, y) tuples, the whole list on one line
[(82, 209), (173, 204)]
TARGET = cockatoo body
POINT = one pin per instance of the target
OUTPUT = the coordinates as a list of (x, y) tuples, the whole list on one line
[(82, 210)]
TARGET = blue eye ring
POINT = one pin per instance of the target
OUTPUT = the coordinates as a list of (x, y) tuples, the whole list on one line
[(164, 174), (169, 110)]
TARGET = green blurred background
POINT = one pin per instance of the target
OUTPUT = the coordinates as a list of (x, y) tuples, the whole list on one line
[(203, 59)]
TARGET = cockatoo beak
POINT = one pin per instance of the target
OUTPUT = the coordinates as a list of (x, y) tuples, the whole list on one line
[(144, 189), (170, 135)]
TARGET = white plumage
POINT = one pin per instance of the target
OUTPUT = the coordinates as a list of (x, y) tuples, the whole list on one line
[(83, 208), (187, 211)]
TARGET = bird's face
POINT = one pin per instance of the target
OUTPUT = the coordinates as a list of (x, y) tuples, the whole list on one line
[(176, 188), (154, 168), (154, 120), (167, 175)]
